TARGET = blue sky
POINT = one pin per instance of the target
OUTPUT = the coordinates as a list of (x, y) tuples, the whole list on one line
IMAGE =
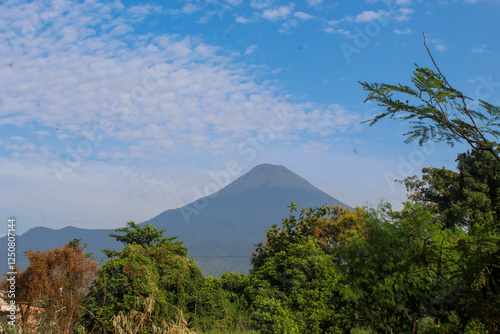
[(117, 111)]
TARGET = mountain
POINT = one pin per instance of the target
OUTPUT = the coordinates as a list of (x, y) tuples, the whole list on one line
[(219, 230), (230, 222)]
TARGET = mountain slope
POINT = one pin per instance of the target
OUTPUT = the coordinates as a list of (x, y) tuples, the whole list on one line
[(231, 221), (220, 230)]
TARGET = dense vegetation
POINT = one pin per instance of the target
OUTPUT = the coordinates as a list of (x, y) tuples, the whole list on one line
[(432, 267)]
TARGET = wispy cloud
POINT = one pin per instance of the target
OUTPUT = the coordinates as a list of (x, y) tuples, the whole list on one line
[(160, 93), (190, 8), (404, 14), (370, 15), (314, 3), (397, 2), (480, 49), (251, 49), (303, 16), (438, 44), (260, 4), (402, 32), (278, 13)]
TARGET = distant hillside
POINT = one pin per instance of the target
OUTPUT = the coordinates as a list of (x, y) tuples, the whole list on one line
[(220, 230), (234, 219)]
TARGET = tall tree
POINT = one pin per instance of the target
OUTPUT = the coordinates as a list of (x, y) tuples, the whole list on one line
[(467, 200), (437, 111), (149, 266), (296, 281)]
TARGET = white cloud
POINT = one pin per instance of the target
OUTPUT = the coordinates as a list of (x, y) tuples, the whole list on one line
[(480, 49), (18, 138), (241, 19), (370, 15), (278, 13), (404, 14), (340, 31), (190, 8), (251, 49), (398, 2), (440, 46), (303, 16), (141, 11), (260, 4), (402, 32), (42, 133), (287, 25), (314, 3), (190, 90)]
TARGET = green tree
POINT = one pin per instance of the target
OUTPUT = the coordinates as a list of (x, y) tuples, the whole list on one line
[(295, 278), (440, 112), (405, 266), (146, 236), (462, 198), (149, 266), (221, 304), (463, 201), (469, 200)]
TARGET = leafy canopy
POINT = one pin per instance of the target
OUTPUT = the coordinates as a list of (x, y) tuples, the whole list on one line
[(146, 236), (440, 112), (148, 266)]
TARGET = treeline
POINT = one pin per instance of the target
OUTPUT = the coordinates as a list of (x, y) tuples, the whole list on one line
[(432, 267), (429, 268)]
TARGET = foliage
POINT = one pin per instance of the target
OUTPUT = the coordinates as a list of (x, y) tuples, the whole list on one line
[(463, 198), (52, 288), (404, 266), (221, 304), (156, 267), (442, 115), (146, 236), (469, 200), (295, 280), (464, 204), (143, 322), (330, 228)]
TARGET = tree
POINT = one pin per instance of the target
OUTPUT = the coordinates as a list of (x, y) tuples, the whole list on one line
[(403, 267), (468, 200), (296, 281), (222, 305), (443, 113), (53, 286), (146, 236), (149, 266), (331, 228), (462, 198), (464, 201)]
